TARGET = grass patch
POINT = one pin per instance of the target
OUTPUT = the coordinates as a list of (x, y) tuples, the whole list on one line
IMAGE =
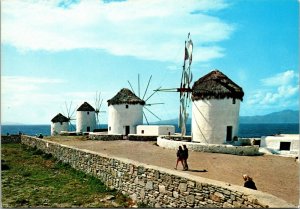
[(37, 180)]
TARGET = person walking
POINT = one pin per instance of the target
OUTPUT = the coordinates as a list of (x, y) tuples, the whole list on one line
[(179, 157), (185, 157), (249, 183)]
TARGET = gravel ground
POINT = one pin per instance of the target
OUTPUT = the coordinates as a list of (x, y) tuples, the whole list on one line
[(275, 175)]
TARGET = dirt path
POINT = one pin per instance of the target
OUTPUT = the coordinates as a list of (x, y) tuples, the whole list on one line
[(272, 174)]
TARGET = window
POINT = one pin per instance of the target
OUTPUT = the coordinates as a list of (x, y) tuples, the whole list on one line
[(285, 145), (109, 128), (88, 113), (142, 131), (126, 106), (233, 101)]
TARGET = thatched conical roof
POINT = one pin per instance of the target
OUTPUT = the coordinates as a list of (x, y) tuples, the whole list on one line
[(125, 96), (86, 107), (59, 118), (216, 85)]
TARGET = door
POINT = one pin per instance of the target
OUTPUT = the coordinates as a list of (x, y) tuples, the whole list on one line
[(88, 129), (127, 130), (229, 133)]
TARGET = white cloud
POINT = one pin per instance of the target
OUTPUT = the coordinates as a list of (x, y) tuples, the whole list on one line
[(276, 91), (149, 30), (25, 84), (284, 78), (30, 99)]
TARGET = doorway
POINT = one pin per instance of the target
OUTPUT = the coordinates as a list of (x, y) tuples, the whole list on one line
[(88, 129), (229, 133), (127, 130)]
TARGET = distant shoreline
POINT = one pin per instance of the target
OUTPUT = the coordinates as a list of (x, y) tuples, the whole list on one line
[(246, 130)]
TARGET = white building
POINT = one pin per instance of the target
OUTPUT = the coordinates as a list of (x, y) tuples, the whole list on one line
[(59, 123), (215, 108), (85, 118), (125, 112), (155, 130), (281, 144)]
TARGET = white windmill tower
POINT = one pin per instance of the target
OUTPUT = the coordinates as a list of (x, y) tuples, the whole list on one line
[(125, 112), (215, 108), (86, 118), (59, 123)]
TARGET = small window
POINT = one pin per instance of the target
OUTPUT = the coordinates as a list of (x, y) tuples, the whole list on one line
[(143, 131), (88, 113), (233, 101), (109, 128), (285, 145), (126, 106)]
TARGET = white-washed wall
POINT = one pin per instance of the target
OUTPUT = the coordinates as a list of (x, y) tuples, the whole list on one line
[(156, 186), (119, 116), (210, 119), (56, 128), (214, 148), (273, 142), (155, 129), (85, 119)]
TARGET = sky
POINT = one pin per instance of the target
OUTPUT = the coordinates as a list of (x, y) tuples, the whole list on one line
[(65, 51)]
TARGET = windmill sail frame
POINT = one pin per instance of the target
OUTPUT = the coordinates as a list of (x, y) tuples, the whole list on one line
[(147, 98), (70, 114), (98, 105), (185, 85)]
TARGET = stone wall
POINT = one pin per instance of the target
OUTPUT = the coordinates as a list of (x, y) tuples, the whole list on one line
[(137, 137), (105, 137), (10, 139), (214, 148), (156, 186), (112, 137)]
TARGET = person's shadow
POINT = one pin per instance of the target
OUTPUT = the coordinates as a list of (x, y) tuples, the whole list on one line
[(194, 170)]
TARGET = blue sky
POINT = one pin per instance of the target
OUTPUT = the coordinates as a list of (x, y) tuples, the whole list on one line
[(65, 51)]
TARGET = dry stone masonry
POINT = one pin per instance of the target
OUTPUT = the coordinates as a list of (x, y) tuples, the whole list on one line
[(10, 139), (155, 186)]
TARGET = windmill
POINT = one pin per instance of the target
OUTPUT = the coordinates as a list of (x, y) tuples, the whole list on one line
[(146, 98), (98, 105), (185, 86), (70, 114)]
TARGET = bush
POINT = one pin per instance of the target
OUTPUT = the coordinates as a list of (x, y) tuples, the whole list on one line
[(47, 156), (4, 167)]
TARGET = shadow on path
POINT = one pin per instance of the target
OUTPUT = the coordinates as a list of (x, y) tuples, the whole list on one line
[(193, 170)]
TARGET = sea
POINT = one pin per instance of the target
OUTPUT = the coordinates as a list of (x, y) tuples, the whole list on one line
[(245, 130)]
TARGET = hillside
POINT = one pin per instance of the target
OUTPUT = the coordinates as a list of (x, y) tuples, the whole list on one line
[(285, 116)]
